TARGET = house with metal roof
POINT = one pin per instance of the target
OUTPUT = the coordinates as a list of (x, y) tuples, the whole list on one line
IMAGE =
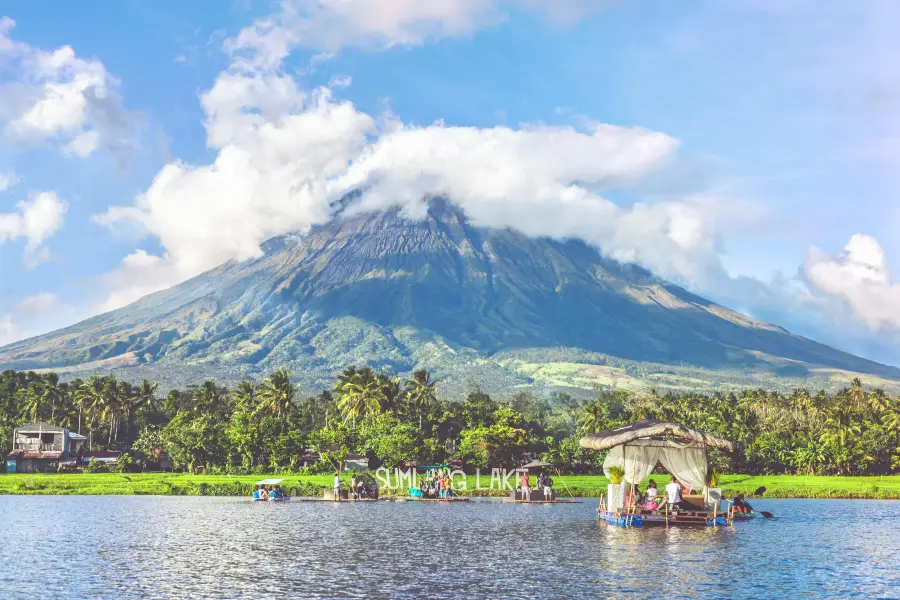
[(39, 447)]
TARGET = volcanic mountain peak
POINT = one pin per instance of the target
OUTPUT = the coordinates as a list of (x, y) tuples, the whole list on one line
[(440, 293)]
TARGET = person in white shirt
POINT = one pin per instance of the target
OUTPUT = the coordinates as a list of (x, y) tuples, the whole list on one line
[(337, 488), (673, 494), (652, 493)]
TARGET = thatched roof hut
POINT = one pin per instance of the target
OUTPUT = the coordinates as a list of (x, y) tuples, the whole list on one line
[(652, 433)]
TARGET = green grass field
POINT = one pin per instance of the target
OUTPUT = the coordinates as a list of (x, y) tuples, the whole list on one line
[(176, 484)]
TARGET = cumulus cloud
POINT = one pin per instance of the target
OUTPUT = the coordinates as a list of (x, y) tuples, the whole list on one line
[(56, 96), (860, 276), (36, 220), (285, 153)]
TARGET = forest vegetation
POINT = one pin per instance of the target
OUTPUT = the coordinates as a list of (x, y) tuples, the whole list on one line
[(266, 427)]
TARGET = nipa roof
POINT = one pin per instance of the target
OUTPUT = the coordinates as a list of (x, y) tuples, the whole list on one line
[(650, 430)]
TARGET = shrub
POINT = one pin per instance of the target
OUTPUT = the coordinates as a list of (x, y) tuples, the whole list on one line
[(616, 474), (95, 466)]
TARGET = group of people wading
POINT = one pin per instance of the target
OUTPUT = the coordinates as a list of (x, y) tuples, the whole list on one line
[(544, 485)]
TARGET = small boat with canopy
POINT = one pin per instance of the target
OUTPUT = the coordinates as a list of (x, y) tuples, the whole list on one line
[(637, 449), (262, 494)]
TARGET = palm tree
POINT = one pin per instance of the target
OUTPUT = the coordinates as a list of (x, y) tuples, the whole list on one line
[(31, 403), (361, 394), (51, 393), (879, 401), (594, 417), (245, 393), (857, 393), (421, 391), (210, 398), (276, 393), (90, 399)]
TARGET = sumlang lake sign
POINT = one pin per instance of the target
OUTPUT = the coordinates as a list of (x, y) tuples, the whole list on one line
[(500, 479)]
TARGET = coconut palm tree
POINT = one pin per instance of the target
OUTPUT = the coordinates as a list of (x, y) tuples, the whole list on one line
[(857, 393), (51, 394), (361, 394), (594, 417), (90, 400), (276, 394), (421, 391)]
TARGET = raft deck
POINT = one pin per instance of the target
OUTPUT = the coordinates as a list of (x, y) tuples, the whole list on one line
[(510, 501), (653, 518)]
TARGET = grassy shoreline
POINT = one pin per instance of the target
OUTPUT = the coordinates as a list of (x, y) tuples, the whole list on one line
[(590, 486)]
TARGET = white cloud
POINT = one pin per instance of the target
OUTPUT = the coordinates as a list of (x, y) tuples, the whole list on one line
[(9, 331), (859, 276), (329, 25), (56, 96), (28, 317), (38, 305), (37, 219), (284, 153), (7, 180)]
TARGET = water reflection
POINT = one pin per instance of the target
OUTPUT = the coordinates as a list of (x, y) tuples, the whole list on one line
[(105, 547)]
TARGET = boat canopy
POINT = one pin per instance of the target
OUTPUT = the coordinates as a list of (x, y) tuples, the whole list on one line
[(428, 467), (637, 448), (536, 464), (269, 482), (653, 433)]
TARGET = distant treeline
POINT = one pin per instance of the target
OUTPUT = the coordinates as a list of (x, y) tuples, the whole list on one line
[(268, 426)]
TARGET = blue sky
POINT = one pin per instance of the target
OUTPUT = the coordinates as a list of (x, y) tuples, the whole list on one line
[(755, 139)]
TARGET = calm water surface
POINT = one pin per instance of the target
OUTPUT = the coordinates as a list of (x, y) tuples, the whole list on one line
[(170, 547)]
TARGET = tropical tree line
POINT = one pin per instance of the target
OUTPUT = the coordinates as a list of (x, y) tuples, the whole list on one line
[(273, 426)]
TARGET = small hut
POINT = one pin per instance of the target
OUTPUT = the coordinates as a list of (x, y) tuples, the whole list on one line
[(637, 449)]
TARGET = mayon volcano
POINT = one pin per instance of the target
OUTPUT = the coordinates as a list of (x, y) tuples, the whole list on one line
[(471, 304)]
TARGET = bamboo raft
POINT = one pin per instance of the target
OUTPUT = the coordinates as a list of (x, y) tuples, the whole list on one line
[(414, 499), (632, 517), (510, 501)]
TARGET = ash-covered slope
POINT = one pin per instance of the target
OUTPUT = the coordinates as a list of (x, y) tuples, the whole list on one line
[(436, 292)]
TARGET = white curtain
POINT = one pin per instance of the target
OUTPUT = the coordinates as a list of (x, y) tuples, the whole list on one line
[(686, 464), (638, 461)]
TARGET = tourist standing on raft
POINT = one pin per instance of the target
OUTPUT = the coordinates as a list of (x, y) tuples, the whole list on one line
[(673, 494), (546, 483), (526, 490), (337, 488)]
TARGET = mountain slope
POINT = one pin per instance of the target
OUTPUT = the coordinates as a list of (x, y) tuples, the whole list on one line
[(440, 293)]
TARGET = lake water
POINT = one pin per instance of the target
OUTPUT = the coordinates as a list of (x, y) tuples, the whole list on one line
[(177, 547)]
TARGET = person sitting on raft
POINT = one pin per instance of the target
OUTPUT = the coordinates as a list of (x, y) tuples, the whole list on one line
[(651, 497), (741, 505)]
